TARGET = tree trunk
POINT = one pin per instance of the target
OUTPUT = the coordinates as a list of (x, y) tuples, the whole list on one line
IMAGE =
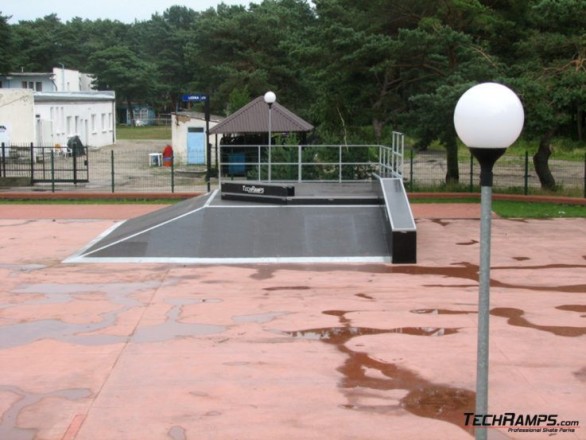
[(452, 172), (130, 111), (378, 126), (540, 162), (580, 123)]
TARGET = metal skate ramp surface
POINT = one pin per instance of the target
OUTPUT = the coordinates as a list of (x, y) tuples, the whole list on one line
[(210, 230)]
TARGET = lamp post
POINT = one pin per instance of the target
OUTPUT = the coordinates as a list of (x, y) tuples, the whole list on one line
[(270, 99), (488, 119)]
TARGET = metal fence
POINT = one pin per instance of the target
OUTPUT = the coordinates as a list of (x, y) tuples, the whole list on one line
[(315, 163), (426, 171), (39, 164), (302, 163), (137, 167)]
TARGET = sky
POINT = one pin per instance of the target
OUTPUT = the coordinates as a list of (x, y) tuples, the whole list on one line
[(126, 11)]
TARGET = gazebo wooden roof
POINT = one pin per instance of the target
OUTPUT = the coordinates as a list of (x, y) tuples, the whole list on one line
[(253, 118)]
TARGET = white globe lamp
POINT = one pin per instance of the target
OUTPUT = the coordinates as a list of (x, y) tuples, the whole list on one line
[(488, 119), (270, 98)]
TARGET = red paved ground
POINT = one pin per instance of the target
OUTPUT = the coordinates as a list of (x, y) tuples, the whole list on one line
[(98, 351)]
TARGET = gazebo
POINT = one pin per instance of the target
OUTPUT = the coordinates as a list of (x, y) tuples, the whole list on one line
[(253, 118), (251, 125)]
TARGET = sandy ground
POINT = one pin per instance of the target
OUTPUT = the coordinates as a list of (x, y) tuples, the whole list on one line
[(98, 351)]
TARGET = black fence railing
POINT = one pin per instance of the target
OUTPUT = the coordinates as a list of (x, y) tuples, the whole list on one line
[(40, 164), (426, 171), (140, 169)]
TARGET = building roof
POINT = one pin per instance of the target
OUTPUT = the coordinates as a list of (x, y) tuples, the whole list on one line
[(199, 115), (105, 95), (29, 74), (253, 118)]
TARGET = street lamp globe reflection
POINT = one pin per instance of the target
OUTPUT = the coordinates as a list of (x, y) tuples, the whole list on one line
[(488, 118)]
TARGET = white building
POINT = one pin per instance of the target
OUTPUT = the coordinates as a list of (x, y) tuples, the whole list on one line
[(188, 134), (47, 109), (51, 118)]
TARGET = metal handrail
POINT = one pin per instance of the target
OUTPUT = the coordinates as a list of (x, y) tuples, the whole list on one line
[(252, 160)]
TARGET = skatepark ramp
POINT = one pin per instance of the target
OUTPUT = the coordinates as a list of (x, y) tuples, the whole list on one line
[(320, 223), (292, 220)]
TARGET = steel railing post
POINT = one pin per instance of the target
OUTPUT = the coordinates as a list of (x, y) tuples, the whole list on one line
[(52, 171), (411, 170), (339, 163), (299, 159), (112, 175), (75, 151), (3, 170), (173, 175)]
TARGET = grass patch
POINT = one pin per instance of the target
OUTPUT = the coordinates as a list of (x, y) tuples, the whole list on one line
[(441, 200), (148, 132), (508, 209), (513, 209)]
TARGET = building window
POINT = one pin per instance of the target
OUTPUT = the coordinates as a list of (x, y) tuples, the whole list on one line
[(38, 86), (93, 123)]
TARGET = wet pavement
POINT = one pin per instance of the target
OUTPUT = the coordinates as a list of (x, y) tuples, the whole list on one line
[(287, 351)]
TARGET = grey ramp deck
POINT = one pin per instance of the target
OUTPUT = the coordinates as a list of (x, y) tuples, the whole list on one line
[(145, 222), (240, 232)]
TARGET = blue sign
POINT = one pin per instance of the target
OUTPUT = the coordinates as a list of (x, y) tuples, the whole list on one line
[(197, 97)]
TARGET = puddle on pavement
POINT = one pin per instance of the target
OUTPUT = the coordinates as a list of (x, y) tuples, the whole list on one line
[(173, 327), (268, 271), (467, 271), (467, 243), (258, 318), (177, 433), (516, 319), (88, 333), (423, 398), (581, 374), (273, 289), (23, 333), (441, 222), (9, 428), (340, 335), (55, 290), (580, 308), (442, 312), (23, 267)]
